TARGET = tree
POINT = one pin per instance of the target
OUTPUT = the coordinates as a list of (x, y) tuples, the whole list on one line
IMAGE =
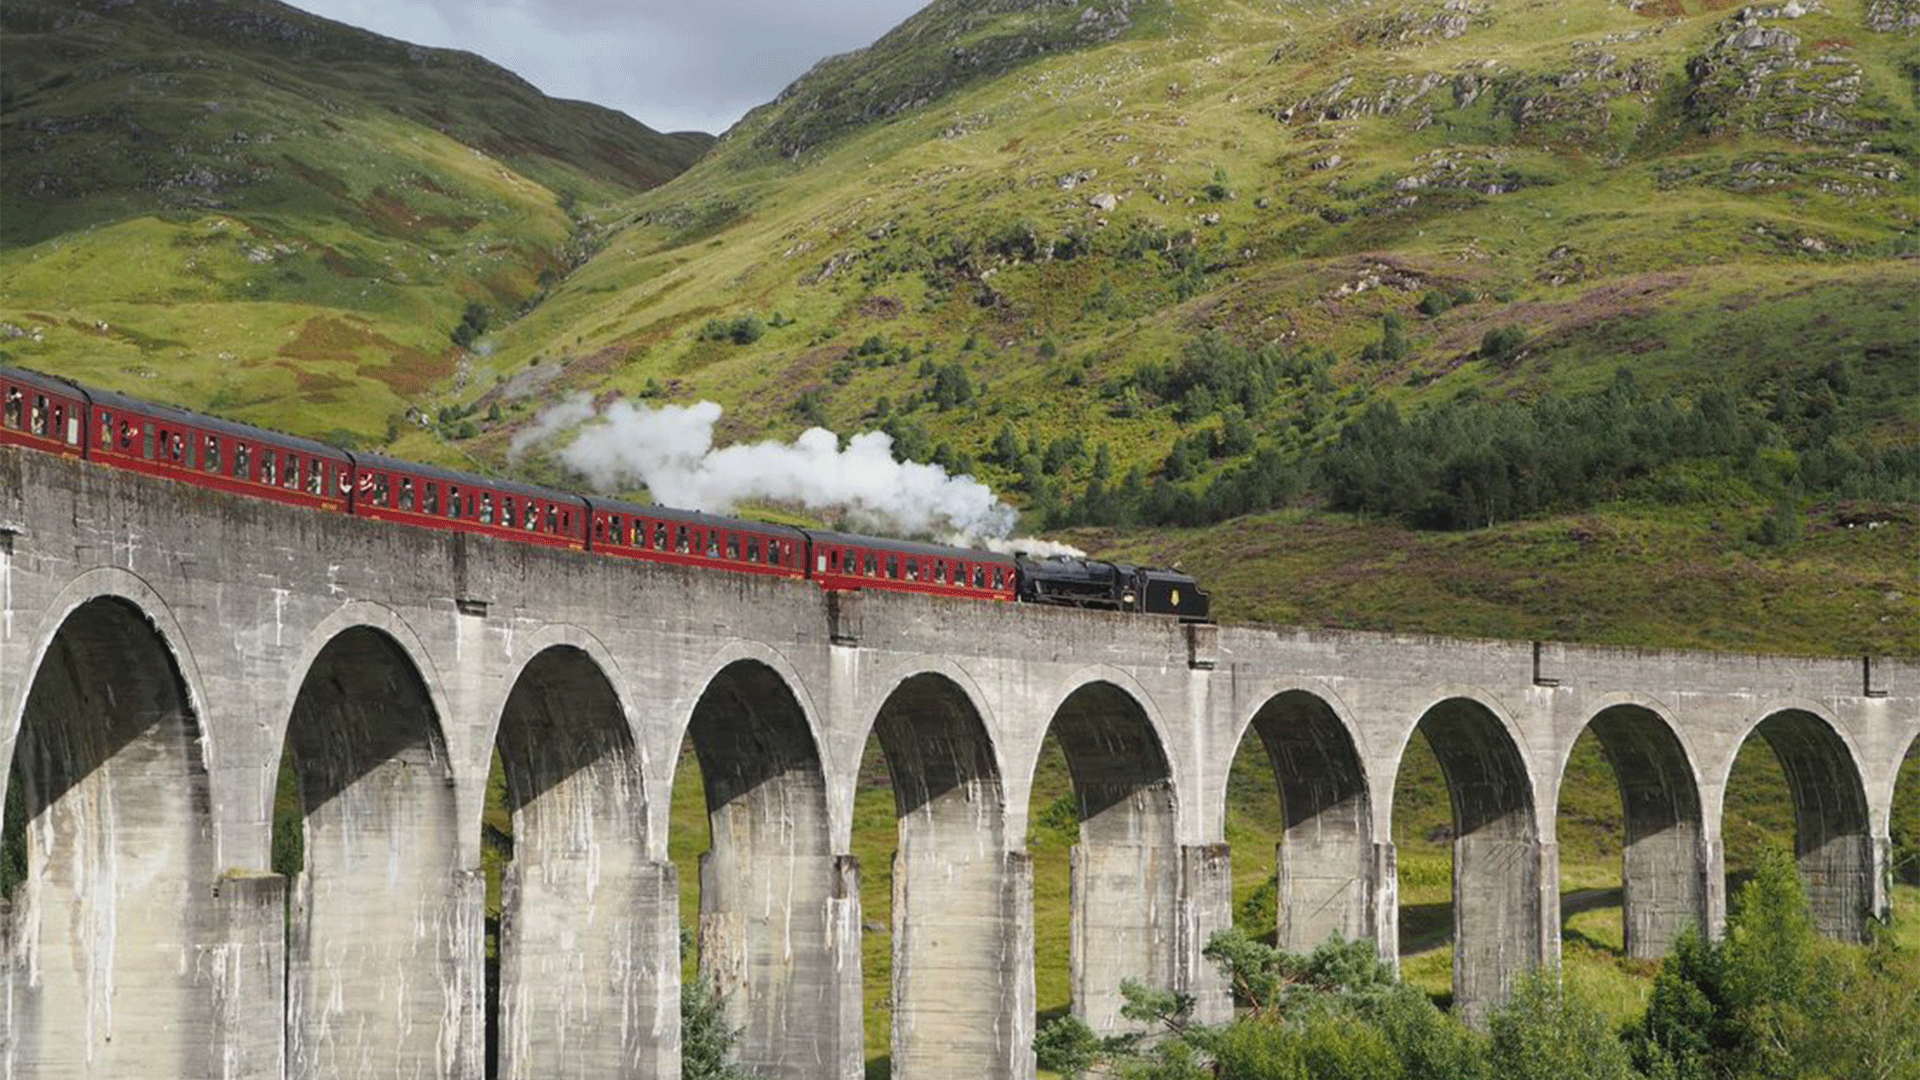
[(706, 1042), (1546, 1031)]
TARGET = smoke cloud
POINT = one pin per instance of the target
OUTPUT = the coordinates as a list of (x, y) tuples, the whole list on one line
[(671, 451), (577, 409)]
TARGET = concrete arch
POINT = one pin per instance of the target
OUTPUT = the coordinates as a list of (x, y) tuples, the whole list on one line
[(1664, 867), (773, 896), (1326, 858), (112, 582), (1832, 838), (569, 974), (359, 614), (1125, 871), (1118, 753), (962, 999), (1500, 927), (881, 691), (383, 888), (105, 931), (1509, 728)]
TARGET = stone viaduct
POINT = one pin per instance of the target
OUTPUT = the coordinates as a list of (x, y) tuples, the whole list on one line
[(161, 648)]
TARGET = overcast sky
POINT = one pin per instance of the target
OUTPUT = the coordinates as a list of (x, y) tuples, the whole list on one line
[(673, 65)]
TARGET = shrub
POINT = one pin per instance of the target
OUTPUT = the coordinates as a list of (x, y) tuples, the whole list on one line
[(1500, 346)]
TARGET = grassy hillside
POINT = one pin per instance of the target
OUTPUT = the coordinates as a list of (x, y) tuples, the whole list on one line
[(242, 207)]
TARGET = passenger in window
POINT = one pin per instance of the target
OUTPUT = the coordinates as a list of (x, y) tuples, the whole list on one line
[(213, 448), (268, 461), (406, 493), (316, 476), (733, 547), (453, 501), (554, 522), (432, 499), (240, 461), (292, 478), (39, 425), (486, 508), (14, 405)]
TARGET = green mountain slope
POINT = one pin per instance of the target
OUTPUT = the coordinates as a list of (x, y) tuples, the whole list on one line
[(243, 206), (1211, 237)]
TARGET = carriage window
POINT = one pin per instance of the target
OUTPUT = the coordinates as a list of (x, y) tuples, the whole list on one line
[(73, 428), (486, 508), (753, 549), (893, 567), (430, 498), (240, 461), (599, 530), (913, 569), (873, 565), (269, 462), (619, 529), (14, 403), (209, 461), (566, 520), (146, 441), (998, 580), (40, 415), (940, 573), (291, 478), (733, 547), (406, 493), (453, 500), (680, 540), (979, 577), (774, 554), (506, 511)]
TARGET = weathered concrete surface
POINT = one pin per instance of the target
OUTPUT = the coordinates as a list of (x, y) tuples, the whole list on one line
[(389, 665)]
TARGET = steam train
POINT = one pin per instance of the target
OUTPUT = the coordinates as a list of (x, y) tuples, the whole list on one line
[(58, 416)]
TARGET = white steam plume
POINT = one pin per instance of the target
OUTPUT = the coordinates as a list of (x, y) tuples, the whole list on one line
[(670, 450), (577, 409)]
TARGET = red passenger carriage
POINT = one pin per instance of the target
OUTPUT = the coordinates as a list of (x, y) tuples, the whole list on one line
[(845, 561), (693, 539), (395, 490), (45, 413), (160, 440)]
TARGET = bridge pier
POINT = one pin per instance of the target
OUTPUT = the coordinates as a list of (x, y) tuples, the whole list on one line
[(590, 986), (1663, 862), (245, 957), (1205, 908)]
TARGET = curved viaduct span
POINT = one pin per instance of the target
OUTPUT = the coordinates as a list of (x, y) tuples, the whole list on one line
[(161, 647)]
